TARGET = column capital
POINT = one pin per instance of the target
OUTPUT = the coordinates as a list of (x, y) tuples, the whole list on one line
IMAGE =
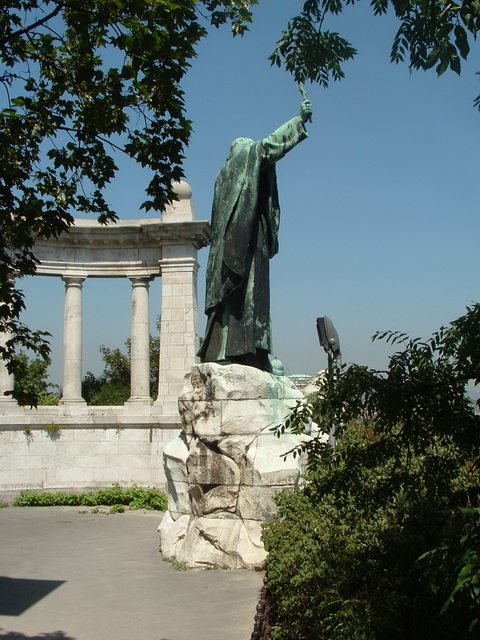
[(138, 281), (186, 264), (74, 280)]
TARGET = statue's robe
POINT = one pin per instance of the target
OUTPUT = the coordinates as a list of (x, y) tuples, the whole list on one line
[(245, 221)]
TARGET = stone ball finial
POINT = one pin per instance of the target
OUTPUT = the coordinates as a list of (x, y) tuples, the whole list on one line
[(182, 190), (180, 210)]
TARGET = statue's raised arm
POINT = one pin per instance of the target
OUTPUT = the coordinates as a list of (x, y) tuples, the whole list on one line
[(245, 221), (281, 141)]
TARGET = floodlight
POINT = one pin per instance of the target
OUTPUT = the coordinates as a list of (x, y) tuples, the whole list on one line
[(329, 340), (328, 336)]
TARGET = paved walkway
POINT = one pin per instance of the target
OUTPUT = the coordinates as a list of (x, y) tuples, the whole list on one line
[(66, 575)]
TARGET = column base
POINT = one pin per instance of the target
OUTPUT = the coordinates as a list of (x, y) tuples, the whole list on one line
[(138, 400), (72, 407), (10, 407), (72, 401), (167, 407)]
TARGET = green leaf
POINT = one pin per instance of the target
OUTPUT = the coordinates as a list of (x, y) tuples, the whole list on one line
[(455, 64), (461, 40), (444, 63)]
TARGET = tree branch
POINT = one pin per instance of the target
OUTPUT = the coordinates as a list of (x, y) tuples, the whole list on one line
[(98, 136), (38, 23)]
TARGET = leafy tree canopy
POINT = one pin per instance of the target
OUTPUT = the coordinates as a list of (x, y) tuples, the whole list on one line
[(31, 381), (431, 34), (82, 80)]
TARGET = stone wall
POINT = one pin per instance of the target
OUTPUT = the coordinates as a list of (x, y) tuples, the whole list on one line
[(108, 446)]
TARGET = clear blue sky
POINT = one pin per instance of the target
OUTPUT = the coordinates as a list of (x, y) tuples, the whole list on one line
[(380, 221)]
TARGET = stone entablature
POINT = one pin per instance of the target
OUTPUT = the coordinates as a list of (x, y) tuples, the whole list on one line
[(127, 248)]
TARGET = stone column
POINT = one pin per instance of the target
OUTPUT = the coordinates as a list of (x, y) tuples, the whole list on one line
[(72, 341), (179, 324), (7, 379), (140, 342)]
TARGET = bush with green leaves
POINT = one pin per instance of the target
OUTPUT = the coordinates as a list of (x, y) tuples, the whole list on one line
[(382, 542), (112, 387), (134, 497), (31, 381)]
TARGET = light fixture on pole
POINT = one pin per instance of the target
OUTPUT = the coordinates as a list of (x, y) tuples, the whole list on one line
[(329, 340)]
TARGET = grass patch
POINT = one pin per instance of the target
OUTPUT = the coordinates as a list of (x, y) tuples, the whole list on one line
[(178, 566), (117, 497)]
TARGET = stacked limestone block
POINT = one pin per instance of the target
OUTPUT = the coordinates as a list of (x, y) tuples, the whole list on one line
[(225, 468)]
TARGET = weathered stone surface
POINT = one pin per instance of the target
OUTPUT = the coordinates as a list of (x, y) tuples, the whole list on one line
[(200, 417), (266, 464), (238, 382), (233, 465), (212, 542), (172, 532), (228, 543), (174, 463), (175, 456), (250, 416), (235, 447), (221, 499), (250, 546), (257, 503), (206, 466), (178, 498)]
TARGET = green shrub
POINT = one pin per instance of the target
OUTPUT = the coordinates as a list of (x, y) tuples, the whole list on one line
[(48, 399), (117, 508), (383, 542), (52, 429), (134, 497), (344, 553), (147, 498)]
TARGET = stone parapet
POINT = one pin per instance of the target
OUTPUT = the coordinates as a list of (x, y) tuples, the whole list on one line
[(56, 449)]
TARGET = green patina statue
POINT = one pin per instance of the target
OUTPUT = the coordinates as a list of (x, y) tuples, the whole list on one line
[(245, 221)]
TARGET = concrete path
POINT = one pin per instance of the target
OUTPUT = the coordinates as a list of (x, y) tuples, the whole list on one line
[(67, 575)]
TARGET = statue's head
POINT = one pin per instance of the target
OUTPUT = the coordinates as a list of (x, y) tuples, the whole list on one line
[(238, 144)]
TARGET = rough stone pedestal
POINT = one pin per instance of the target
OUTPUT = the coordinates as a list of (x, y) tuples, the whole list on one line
[(226, 466)]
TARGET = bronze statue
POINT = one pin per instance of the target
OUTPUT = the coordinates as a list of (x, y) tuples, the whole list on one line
[(245, 221)]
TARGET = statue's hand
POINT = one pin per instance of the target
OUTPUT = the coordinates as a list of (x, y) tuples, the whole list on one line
[(306, 111)]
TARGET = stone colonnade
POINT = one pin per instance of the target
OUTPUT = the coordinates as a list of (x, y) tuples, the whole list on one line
[(139, 250)]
